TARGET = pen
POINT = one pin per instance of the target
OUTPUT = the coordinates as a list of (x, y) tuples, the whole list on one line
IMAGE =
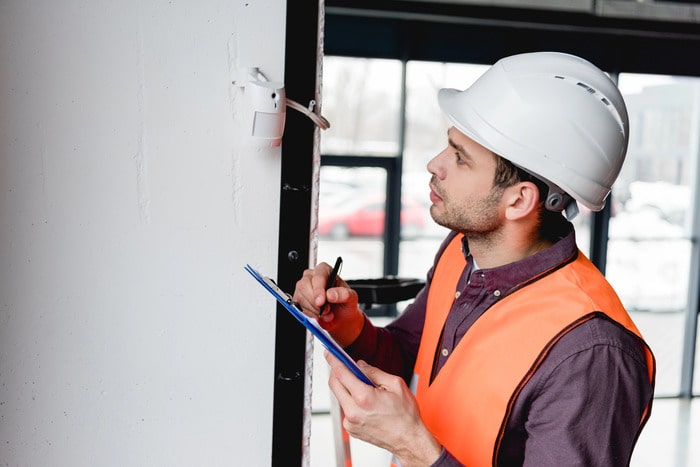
[(332, 277)]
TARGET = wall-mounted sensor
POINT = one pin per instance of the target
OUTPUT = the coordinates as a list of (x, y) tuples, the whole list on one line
[(266, 107), (268, 102)]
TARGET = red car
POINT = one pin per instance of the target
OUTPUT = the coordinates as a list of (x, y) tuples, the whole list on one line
[(365, 217)]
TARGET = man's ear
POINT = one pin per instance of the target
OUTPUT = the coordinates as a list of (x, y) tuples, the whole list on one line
[(522, 199)]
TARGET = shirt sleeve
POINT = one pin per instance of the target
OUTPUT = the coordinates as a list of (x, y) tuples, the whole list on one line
[(393, 348), (585, 406)]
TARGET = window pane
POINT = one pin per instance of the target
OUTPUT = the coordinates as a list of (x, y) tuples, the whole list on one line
[(350, 224), (650, 239), (426, 127), (351, 219), (362, 101), (426, 136)]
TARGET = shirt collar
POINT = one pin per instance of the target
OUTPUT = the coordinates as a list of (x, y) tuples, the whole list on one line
[(510, 275)]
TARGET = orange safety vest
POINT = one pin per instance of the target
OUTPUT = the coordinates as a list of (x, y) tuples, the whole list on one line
[(467, 405)]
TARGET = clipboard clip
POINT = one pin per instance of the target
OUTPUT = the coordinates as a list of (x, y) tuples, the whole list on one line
[(274, 285)]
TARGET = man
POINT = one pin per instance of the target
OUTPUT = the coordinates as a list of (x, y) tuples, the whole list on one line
[(518, 351)]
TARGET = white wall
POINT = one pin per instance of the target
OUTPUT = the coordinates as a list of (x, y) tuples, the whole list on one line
[(129, 332)]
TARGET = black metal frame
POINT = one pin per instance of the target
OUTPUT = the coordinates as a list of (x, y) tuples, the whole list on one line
[(453, 32), (302, 45)]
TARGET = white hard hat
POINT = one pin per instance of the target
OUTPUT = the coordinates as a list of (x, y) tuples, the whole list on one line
[(554, 115)]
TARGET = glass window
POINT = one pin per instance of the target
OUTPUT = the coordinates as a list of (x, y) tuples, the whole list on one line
[(650, 234), (426, 136), (351, 215), (426, 127), (362, 100)]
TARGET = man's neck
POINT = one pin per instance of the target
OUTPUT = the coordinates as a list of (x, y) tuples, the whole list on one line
[(497, 249)]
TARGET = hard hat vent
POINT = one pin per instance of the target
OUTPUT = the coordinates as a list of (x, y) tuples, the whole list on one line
[(586, 87), (593, 91)]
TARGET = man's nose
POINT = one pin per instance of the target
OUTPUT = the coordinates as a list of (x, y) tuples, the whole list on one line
[(436, 165)]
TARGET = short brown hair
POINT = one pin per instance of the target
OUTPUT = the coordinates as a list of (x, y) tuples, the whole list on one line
[(508, 174), (552, 224)]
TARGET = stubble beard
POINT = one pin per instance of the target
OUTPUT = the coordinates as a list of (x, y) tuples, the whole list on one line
[(476, 218)]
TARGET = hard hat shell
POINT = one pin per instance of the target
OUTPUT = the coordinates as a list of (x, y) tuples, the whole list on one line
[(555, 115)]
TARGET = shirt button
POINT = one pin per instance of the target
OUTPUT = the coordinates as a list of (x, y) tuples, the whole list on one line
[(445, 352), (458, 294), (497, 293)]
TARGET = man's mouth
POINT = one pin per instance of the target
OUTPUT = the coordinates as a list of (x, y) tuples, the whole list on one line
[(434, 194)]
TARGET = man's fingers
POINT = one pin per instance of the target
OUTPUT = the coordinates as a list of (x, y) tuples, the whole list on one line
[(336, 382), (339, 294), (381, 379), (310, 292), (347, 378)]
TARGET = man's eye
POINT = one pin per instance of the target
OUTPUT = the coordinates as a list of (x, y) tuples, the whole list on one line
[(458, 158)]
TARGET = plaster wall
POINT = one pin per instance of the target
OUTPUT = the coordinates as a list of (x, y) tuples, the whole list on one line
[(130, 200)]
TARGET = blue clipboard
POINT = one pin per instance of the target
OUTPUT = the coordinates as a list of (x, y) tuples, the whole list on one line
[(311, 324)]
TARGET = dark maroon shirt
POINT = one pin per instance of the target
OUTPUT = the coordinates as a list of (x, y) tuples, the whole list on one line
[(581, 407)]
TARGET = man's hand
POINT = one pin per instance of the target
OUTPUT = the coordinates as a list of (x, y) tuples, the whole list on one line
[(336, 308), (386, 416)]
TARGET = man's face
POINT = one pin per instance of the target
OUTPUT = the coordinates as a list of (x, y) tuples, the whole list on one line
[(462, 190)]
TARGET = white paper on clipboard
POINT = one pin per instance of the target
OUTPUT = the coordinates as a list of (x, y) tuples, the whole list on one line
[(311, 324)]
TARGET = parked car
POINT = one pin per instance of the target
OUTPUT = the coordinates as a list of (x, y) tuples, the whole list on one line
[(364, 216)]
